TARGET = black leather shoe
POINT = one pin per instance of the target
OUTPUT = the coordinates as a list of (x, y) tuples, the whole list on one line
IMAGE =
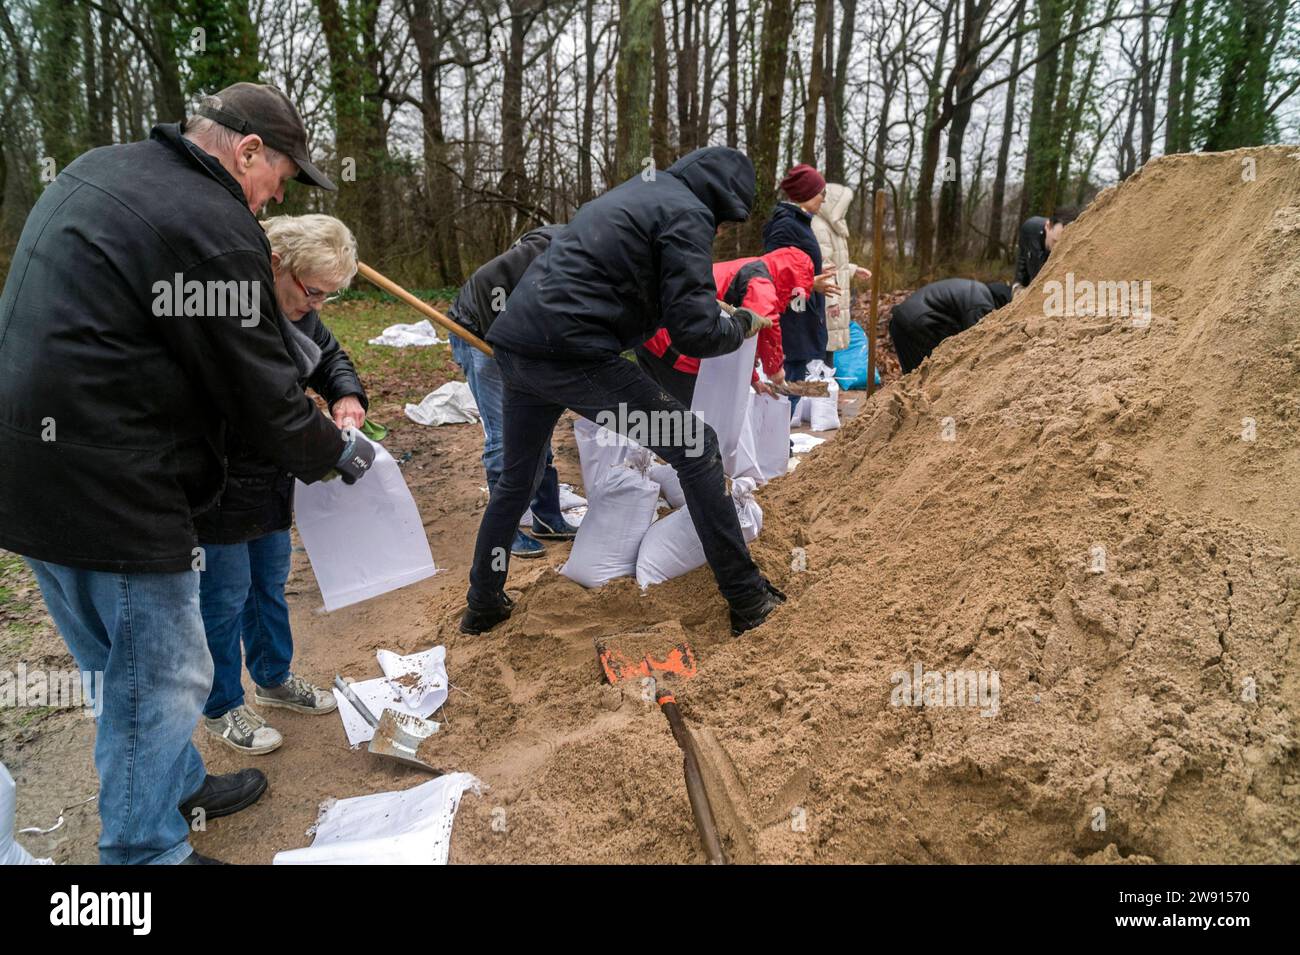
[(475, 621), (751, 613), (195, 859), (226, 794)]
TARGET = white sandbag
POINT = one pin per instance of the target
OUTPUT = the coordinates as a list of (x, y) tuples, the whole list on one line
[(670, 485), (824, 413), (599, 449), (451, 403), (671, 547), (421, 334), (799, 414), (11, 853), (620, 509), (745, 460), (720, 397), (771, 429), (363, 539), (407, 827)]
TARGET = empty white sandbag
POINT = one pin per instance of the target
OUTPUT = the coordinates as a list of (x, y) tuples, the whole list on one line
[(720, 397), (771, 430)]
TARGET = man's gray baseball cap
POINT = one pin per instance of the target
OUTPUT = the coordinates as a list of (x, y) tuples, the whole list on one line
[(251, 108)]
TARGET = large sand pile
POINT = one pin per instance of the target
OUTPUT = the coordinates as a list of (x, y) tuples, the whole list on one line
[(1146, 711)]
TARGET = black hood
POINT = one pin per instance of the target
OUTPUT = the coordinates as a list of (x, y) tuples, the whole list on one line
[(722, 178), (1001, 293)]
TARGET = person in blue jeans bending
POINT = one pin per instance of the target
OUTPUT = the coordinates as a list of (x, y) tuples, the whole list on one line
[(245, 535), (479, 301)]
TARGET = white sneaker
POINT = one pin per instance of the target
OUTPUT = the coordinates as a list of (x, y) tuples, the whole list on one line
[(244, 731)]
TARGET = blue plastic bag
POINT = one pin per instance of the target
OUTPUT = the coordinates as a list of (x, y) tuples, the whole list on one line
[(851, 362)]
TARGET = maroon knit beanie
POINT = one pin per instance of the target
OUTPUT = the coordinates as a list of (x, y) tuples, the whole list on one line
[(802, 182)]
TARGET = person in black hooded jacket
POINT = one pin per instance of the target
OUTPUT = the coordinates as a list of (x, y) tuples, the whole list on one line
[(636, 259), (939, 310)]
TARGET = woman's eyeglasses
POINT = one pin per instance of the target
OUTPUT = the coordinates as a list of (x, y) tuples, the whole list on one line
[(314, 294)]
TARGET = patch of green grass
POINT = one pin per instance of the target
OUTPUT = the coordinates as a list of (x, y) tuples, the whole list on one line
[(392, 376), (33, 714)]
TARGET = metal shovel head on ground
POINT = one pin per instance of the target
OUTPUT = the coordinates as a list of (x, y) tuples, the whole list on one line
[(397, 735)]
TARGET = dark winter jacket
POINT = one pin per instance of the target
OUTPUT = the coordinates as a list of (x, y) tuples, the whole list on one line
[(112, 406), (258, 496), (938, 310), (803, 333), (483, 296), (1031, 251), (638, 258)]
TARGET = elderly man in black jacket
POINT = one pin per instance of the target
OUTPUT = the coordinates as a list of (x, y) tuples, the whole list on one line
[(137, 319), (634, 260), (939, 310)]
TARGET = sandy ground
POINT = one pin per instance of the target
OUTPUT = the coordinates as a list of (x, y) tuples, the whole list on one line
[(492, 681), (1102, 514)]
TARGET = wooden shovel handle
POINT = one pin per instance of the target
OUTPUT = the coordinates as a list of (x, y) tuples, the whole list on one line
[(392, 288), (695, 790)]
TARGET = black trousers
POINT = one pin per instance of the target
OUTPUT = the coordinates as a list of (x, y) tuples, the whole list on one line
[(679, 384), (537, 392)]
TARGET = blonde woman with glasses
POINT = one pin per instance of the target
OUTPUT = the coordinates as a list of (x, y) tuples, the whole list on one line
[(245, 535)]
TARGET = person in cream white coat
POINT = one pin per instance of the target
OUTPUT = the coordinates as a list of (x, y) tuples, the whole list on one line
[(832, 231)]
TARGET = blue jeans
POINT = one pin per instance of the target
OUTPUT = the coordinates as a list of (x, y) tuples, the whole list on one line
[(483, 376), (241, 594), (145, 634)]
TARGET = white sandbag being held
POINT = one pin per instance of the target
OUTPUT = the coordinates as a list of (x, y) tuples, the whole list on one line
[(619, 510), (720, 397), (770, 424), (671, 547)]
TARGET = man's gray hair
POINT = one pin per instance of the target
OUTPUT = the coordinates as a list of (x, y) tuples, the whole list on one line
[(211, 136)]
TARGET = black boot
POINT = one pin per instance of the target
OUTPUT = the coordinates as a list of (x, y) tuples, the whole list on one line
[(195, 859), (476, 620), (223, 795), (748, 614)]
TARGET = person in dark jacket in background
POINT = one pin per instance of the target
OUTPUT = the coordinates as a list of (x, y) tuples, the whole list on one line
[(938, 310), (137, 319), (1038, 236), (638, 258), (480, 300), (245, 534), (803, 323)]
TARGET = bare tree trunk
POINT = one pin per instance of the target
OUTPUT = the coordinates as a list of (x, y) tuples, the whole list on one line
[(632, 86), (995, 248), (766, 145), (733, 75), (812, 100), (659, 132)]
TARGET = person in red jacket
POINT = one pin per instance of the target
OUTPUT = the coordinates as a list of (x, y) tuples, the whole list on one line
[(764, 284)]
